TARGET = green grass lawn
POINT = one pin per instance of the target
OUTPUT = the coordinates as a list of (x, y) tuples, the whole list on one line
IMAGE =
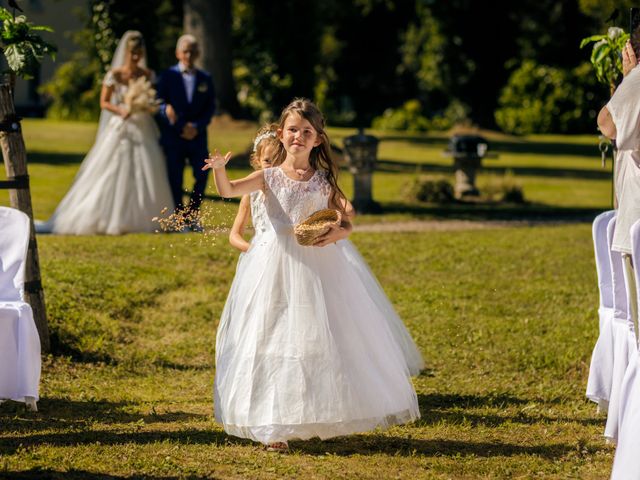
[(506, 320)]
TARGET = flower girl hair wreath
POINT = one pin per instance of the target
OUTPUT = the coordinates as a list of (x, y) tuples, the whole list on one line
[(266, 136), (321, 157)]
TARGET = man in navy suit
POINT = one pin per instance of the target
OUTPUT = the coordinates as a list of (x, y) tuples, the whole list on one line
[(187, 101)]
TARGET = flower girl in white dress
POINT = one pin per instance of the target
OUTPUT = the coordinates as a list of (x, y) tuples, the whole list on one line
[(264, 149), (122, 182), (302, 349), (265, 146)]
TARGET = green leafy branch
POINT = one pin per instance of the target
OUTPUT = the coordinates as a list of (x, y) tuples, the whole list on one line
[(606, 56), (23, 49)]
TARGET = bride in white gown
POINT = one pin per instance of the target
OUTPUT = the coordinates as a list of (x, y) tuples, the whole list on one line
[(122, 182)]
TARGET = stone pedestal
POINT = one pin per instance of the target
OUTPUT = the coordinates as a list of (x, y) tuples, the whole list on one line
[(361, 152), (465, 174)]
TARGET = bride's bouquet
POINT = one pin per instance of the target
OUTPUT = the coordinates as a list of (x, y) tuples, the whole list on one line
[(141, 96)]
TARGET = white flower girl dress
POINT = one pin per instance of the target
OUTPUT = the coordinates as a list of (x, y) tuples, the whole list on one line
[(303, 348)]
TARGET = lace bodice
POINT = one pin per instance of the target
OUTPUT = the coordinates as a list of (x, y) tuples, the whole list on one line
[(290, 201), (120, 89), (259, 216)]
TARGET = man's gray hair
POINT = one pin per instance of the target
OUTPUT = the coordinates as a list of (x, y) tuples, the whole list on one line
[(185, 40)]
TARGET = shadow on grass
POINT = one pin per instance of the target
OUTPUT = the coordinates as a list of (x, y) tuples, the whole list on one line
[(74, 420), (455, 400), (392, 166), (341, 446), (522, 146), (38, 474), (69, 349), (127, 436), (453, 409), (63, 414), (51, 158), (410, 447), (182, 367), (547, 148)]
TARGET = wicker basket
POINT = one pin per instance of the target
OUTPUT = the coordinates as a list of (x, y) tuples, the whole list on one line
[(316, 225)]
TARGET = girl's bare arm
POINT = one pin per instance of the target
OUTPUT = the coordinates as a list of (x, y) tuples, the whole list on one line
[(236, 235)]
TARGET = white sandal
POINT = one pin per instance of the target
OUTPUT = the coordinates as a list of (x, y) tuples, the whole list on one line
[(279, 447)]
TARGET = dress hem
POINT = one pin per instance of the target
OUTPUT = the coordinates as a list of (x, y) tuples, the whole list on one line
[(304, 431)]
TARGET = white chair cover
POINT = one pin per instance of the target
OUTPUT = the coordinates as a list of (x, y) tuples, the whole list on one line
[(14, 241), (622, 334), (600, 371), (19, 341), (626, 463)]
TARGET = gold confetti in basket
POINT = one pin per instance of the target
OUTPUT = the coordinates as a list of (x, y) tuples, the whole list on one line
[(319, 223)]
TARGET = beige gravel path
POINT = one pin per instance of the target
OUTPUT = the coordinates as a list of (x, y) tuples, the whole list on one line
[(453, 225)]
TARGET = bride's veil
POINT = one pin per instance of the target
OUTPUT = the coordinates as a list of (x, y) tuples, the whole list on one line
[(119, 57)]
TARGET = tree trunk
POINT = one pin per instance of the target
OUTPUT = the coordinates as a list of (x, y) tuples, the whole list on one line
[(15, 162), (210, 22)]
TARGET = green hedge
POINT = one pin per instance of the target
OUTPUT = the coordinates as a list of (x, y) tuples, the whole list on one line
[(545, 99)]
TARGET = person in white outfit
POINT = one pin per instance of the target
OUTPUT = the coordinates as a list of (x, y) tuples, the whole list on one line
[(620, 120)]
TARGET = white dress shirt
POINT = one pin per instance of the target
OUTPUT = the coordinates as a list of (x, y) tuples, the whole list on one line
[(189, 80)]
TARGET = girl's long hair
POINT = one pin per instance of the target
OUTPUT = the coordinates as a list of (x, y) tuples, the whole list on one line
[(320, 157)]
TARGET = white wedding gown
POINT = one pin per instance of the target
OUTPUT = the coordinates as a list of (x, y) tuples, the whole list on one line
[(304, 347), (122, 182)]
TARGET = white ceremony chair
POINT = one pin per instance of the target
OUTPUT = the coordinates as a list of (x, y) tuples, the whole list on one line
[(601, 369), (626, 463), (622, 333), (20, 362)]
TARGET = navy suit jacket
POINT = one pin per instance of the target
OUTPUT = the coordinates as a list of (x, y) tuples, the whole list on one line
[(171, 90)]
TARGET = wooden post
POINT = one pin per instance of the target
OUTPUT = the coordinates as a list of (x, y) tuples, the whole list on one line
[(15, 162)]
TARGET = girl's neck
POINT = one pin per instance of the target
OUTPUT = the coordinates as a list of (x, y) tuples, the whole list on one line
[(299, 168), (297, 163)]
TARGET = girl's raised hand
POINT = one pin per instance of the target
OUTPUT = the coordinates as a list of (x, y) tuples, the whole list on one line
[(216, 160)]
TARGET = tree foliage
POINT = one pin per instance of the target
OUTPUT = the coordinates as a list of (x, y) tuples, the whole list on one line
[(604, 9), (74, 90), (546, 99), (22, 47), (422, 63)]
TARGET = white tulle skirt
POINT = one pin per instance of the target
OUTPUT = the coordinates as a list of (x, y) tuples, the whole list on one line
[(304, 350), (121, 185), (412, 355)]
